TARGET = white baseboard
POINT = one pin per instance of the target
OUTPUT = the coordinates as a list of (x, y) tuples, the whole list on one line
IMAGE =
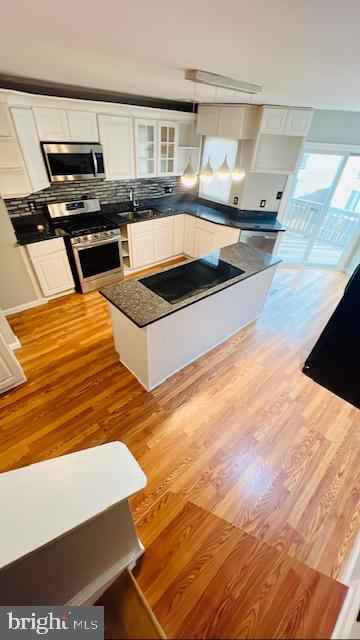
[(23, 307), (15, 345)]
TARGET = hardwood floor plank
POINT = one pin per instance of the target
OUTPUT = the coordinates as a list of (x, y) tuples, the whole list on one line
[(257, 459)]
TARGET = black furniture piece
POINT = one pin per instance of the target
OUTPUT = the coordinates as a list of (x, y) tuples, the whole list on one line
[(334, 361)]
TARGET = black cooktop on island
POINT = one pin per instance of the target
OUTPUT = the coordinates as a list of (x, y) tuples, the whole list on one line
[(191, 278)]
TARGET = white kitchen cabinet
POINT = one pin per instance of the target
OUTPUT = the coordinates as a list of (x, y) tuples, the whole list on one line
[(189, 235), (52, 124), (14, 179), (141, 243), (209, 236), (142, 249), (116, 136), (298, 122), (178, 234), (163, 239), (29, 143), (204, 241), (83, 126), (153, 241), (273, 120), (167, 147), (276, 153), (66, 125), (207, 122), (51, 265), (226, 235), (6, 128), (11, 373), (234, 122), (282, 121), (146, 148)]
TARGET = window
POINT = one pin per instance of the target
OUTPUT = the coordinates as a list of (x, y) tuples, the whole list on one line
[(217, 148)]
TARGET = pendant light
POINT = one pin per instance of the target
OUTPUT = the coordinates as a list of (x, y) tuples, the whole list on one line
[(223, 172), (207, 173), (238, 173), (189, 177)]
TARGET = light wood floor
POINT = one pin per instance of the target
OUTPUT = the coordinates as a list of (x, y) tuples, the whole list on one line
[(253, 469)]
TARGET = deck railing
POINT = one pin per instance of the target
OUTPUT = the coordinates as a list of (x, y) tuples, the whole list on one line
[(337, 228)]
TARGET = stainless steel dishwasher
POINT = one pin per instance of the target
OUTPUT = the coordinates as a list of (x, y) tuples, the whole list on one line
[(264, 240)]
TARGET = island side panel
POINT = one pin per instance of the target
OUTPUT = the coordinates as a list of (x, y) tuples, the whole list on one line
[(131, 345), (180, 338)]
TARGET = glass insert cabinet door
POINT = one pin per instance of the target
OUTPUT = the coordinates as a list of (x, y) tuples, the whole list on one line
[(167, 146), (146, 148)]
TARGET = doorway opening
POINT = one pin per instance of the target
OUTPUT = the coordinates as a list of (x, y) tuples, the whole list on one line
[(322, 215)]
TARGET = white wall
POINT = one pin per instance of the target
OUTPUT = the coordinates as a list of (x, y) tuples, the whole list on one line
[(340, 127), (16, 287)]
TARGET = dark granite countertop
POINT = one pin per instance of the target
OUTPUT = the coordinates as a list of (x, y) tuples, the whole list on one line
[(27, 232), (144, 307), (218, 214)]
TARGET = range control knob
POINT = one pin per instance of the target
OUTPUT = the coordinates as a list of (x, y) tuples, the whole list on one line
[(112, 232), (96, 235), (77, 239)]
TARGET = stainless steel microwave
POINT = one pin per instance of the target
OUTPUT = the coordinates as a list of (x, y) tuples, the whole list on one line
[(66, 161)]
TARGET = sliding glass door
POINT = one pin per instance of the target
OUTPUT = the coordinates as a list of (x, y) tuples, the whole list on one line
[(322, 216)]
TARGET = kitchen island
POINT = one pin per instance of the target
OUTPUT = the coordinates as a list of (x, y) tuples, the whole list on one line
[(164, 321)]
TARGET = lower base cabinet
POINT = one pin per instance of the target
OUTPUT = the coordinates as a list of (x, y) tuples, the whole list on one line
[(163, 239), (51, 265), (154, 241)]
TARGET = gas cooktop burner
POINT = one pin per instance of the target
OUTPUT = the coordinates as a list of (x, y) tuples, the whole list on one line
[(92, 224)]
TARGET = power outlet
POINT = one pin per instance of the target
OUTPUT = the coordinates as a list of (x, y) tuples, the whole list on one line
[(168, 189), (262, 203), (236, 199)]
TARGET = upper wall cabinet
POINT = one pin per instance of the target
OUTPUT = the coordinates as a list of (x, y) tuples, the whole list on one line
[(167, 147), (6, 129), (29, 143), (116, 136), (146, 148), (273, 120), (290, 122), (52, 124), (83, 126), (280, 139), (22, 169), (235, 122), (65, 126), (298, 122)]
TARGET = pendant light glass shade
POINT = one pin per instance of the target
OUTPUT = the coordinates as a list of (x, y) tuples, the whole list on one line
[(223, 172), (237, 174), (207, 173), (189, 177)]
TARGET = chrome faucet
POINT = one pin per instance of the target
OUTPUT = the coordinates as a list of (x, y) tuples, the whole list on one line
[(134, 202)]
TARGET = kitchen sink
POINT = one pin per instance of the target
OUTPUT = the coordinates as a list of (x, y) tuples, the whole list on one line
[(147, 214)]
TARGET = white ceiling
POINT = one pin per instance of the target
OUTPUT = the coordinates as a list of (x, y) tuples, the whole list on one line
[(303, 52)]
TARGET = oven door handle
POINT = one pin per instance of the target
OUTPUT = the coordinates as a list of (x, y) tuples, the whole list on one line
[(95, 244), (96, 169)]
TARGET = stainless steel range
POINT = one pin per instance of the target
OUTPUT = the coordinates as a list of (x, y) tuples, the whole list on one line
[(93, 242)]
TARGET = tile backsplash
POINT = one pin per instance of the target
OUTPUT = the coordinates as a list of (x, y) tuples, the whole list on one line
[(107, 191)]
